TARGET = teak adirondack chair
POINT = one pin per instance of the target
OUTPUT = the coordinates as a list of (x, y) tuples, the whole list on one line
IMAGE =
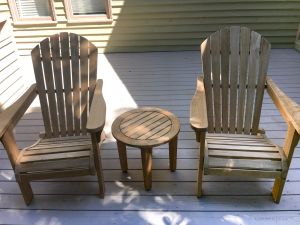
[(73, 111), (227, 105)]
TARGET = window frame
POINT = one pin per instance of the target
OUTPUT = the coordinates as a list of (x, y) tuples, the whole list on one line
[(32, 20), (105, 18)]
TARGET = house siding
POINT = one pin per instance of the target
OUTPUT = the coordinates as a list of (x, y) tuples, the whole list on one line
[(170, 25)]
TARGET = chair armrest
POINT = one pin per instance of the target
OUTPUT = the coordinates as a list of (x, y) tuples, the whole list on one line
[(198, 112), (10, 116), (96, 118), (288, 108)]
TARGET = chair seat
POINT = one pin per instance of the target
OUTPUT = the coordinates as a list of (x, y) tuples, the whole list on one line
[(55, 154), (243, 155)]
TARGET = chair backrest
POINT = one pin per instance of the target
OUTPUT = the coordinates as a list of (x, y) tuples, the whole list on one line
[(235, 62), (12, 84), (65, 67)]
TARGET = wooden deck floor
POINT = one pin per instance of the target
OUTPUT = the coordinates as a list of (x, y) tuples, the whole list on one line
[(164, 80)]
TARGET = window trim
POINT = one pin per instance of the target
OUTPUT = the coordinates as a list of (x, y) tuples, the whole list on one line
[(34, 20), (105, 18)]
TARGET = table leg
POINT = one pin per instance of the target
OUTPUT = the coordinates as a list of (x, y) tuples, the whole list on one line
[(173, 153), (122, 156), (147, 167)]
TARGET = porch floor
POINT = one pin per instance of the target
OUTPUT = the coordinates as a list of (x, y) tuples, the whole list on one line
[(166, 80)]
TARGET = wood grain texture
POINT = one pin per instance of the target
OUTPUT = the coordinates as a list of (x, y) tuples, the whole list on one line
[(215, 61), (57, 154), (59, 88), (234, 65), (239, 153), (198, 108), (241, 57), (49, 88), (206, 68), (261, 81), (225, 56), (74, 49), (138, 132), (38, 71), (65, 52), (289, 109), (253, 74), (243, 76), (146, 128)]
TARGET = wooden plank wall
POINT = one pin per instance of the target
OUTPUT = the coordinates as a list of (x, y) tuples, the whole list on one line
[(143, 25)]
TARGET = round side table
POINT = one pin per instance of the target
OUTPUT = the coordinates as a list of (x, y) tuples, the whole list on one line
[(146, 128)]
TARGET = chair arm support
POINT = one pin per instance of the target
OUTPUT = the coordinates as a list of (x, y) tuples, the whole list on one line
[(10, 116), (97, 114), (288, 108), (198, 112)]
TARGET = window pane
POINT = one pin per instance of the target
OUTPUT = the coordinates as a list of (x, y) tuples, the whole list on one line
[(86, 7), (33, 8)]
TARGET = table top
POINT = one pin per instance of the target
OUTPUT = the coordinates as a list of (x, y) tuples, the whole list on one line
[(145, 127)]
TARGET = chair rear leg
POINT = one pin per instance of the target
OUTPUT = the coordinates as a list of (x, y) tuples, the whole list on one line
[(26, 189), (278, 188)]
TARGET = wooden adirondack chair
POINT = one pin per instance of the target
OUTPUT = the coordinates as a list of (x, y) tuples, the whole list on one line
[(227, 105), (297, 41), (73, 110)]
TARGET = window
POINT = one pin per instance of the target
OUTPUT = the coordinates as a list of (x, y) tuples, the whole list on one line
[(82, 11), (32, 11)]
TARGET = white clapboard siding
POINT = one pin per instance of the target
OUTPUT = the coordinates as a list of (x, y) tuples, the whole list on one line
[(12, 84)]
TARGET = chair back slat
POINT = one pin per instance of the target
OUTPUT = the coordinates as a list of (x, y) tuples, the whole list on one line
[(93, 57), (48, 76), (252, 79), (225, 38), (206, 64), (84, 66), (66, 70), (56, 57), (65, 52), (215, 60), (234, 66), (235, 62), (75, 80), (263, 69), (244, 56), (39, 76)]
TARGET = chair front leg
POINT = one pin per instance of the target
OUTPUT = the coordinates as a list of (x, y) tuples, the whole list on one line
[(98, 164), (291, 141), (201, 135), (25, 187)]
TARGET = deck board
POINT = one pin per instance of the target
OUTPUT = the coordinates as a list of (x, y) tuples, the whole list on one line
[(167, 80)]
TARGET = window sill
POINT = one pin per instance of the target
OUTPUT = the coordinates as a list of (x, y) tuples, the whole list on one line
[(81, 20), (34, 22), (90, 20)]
